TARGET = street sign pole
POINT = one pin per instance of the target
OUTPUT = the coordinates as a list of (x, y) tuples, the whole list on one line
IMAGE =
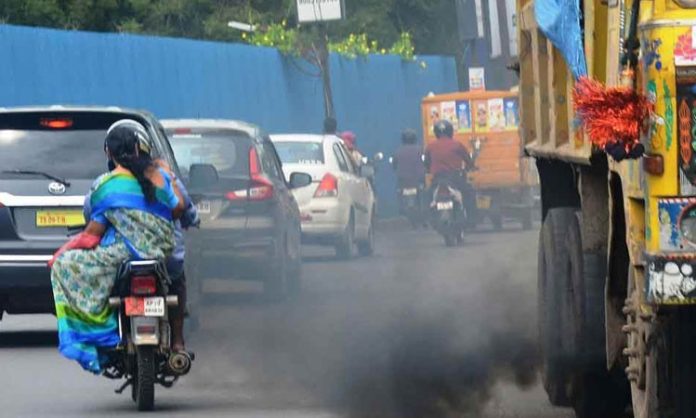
[(324, 62), (320, 12)]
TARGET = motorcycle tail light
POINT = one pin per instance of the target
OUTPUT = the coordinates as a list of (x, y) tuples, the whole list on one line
[(443, 192), (143, 285), (146, 329)]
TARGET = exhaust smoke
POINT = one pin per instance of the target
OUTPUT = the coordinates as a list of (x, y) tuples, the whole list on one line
[(413, 332)]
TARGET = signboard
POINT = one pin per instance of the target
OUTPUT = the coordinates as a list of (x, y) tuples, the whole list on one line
[(477, 78), (319, 10)]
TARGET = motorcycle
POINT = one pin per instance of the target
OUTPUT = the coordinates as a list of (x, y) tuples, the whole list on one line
[(449, 214), (144, 357), (450, 217), (410, 204)]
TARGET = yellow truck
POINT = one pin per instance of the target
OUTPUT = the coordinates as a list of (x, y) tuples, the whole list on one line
[(505, 180), (617, 247)]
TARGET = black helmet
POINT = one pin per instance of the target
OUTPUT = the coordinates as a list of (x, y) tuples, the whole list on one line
[(123, 136), (409, 136), (443, 129)]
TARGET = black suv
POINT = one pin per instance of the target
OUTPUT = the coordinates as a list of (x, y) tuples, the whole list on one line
[(49, 157), (250, 222)]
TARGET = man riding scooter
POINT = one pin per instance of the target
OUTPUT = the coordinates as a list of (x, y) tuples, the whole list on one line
[(410, 174), (448, 160)]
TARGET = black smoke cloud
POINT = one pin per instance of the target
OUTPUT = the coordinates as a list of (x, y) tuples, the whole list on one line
[(390, 337)]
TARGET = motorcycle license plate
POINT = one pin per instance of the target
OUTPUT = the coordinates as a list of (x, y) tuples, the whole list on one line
[(409, 192), (203, 206), (153, 306), (445, 205), (483, 202)]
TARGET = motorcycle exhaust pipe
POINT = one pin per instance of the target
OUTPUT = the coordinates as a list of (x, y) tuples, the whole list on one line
[(179, 363)]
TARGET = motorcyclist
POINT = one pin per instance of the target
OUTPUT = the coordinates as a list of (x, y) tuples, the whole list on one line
[(409, 167), (408, 161), (175, 262), (448, 160), (349, 140)]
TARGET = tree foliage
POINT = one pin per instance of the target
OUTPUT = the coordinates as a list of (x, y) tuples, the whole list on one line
[(430, 23)]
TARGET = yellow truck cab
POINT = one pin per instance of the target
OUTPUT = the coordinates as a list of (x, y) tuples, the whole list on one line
[(617, 249)]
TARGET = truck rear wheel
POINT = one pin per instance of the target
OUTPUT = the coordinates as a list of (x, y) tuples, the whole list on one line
[(560, 261), (662, 366), (676, 344), (573, 367)]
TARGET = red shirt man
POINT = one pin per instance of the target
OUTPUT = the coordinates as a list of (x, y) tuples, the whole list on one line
[(446, 155)]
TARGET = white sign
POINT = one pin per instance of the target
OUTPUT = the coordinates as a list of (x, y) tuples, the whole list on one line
[(477, 78), (319, 10), (494, 27)]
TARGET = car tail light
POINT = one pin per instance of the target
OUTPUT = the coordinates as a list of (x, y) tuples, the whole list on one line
[(261, 187), (143, 285), (58, 123), (328, 186)]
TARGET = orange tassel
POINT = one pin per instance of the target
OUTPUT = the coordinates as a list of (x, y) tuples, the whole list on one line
[(611, 115)]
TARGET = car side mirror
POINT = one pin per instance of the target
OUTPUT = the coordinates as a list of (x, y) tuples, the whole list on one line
[(298, 180), (202, 175), (367, 171)]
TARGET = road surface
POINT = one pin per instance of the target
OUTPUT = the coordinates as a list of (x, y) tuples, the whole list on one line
[(418, 330)]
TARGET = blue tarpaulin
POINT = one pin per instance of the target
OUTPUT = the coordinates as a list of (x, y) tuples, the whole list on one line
[(559, 20)]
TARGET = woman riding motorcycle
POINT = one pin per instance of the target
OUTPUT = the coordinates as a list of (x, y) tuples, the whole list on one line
[(133, 212), (175, 262)]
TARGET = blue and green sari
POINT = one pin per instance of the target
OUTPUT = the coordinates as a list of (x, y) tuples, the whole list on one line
[(83, 279)]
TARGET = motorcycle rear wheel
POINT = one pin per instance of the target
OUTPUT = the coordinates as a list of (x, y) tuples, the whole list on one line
[(144, 379)]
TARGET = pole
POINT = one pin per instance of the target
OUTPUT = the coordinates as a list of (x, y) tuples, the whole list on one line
[(325, 71)]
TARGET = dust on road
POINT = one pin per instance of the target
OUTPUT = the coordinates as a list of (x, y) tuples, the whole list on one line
[(419, 330)]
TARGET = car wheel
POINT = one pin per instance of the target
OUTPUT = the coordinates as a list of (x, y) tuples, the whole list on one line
[(346, 245), (366, 248)]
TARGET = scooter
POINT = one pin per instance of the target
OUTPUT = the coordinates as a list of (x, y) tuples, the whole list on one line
[(144, 357), (449, 214)]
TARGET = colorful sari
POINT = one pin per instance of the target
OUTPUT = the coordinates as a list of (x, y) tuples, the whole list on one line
[(82, 280)]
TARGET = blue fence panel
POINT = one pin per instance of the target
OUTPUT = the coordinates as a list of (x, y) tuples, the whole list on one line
[(376, 96)]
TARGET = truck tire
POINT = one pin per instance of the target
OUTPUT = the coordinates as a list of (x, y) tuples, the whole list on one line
[(597, 392), (560, 264), (676, 344), (670, 367), (144, 384)]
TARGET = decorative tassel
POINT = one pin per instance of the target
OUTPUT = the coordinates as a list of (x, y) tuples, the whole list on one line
[(613, 117)]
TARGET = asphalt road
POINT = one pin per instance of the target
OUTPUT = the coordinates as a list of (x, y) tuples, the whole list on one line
[(418, 330)]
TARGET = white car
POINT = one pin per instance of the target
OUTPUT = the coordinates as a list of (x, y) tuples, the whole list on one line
[(338, 208)]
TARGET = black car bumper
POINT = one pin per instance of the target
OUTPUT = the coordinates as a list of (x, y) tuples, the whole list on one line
[(25, 284), (242, 260)]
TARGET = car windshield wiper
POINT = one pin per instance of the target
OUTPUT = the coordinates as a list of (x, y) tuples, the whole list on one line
[(39, 173)]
